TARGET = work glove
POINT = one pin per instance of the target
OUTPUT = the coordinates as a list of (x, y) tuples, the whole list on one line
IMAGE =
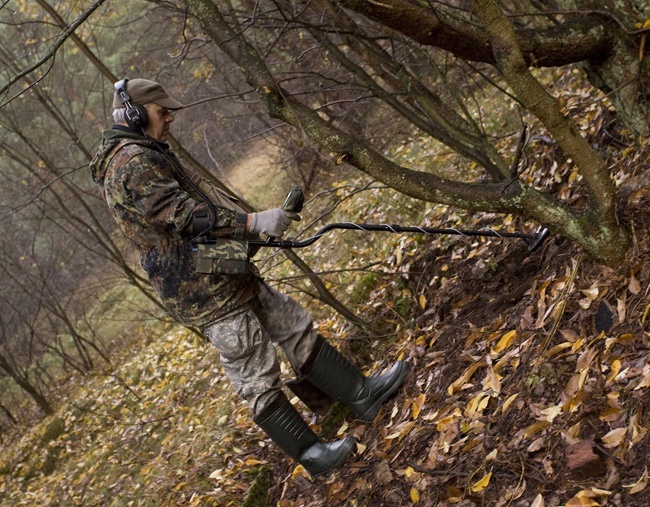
[(273, 222)]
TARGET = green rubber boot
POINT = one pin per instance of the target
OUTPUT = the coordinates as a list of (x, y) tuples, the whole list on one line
[(337, 377), (290, 432)]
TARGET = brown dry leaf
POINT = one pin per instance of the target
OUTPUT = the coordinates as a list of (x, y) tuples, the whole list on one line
[(492, 381), (584, 498), (464, 378), (573, 386), (621, 309), (612, 414), (508, 402), (573, 402), (645, 381), (637, 432), (538, 502), (615, 370), (418, 403), (536, 445), (557, 349), (634, 286), (482, 483), (591, 295), (639, 485), (645, 314), (571, 435), (454, 494), (505, 341), (402, 430), (448, 420), (586, 358), (614, 438), (477, 404), (569, 335), (533, 428), (550, 413)]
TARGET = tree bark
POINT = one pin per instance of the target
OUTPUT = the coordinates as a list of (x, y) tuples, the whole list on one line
[(581, 37)]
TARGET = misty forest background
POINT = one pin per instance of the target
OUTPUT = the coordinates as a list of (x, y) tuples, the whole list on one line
[(529, 370)]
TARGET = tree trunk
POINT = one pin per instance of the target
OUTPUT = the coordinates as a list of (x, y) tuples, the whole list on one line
[(596, 230)]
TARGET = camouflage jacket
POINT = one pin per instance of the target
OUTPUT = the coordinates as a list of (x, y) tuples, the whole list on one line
[(153, 203)]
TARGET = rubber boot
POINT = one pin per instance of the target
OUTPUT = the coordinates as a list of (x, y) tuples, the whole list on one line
[(290, 432), (337, 377)]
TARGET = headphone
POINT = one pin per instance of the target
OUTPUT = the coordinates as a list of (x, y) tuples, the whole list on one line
[(136, 115)]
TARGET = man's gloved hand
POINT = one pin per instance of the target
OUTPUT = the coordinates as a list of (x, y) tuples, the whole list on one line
[(273, 222)]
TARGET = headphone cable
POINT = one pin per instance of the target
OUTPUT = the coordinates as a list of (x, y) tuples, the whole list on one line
[(212, 219)]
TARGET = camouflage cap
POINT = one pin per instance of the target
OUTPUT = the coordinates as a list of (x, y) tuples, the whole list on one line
[(143, 91)]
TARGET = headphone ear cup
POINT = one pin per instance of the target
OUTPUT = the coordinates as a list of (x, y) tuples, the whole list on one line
[(136, 117)]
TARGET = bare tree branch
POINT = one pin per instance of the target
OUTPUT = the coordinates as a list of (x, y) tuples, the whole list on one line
[(50, 54)]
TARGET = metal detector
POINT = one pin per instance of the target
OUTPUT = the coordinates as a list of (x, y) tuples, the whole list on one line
[(295, 200)]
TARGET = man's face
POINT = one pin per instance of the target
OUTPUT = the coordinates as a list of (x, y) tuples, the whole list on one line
[(159, 120)]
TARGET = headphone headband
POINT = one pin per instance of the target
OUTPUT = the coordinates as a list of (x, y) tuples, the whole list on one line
[(120, 89)]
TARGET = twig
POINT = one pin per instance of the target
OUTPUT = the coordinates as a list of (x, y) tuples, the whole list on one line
[(50, 54), (563, 299), (598, 12), (514, 167)]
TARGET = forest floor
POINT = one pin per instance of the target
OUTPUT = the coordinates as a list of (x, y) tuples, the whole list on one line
[(528, 386)]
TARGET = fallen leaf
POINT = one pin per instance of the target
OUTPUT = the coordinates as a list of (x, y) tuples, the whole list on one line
[(558, 348), (508, 402), (477, 404), (639, 485), (591, 293), (418, 403), (533, 428), (492, 381), (634, 286), (538, 502), (645, 381), (454, 494), (492, 455), (615, 370), (581, 500), (614, 438), (464, 378), (482, 483), (551, 413), (621, 309), (637, 432), (505, 341), (536, 445)]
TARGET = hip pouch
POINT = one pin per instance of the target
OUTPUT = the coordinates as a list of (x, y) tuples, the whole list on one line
[(222, 256)]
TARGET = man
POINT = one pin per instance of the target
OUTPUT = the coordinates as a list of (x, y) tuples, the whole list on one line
[(192, 243)]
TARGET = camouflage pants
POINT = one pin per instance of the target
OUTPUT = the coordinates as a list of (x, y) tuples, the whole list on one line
[(245, 341)]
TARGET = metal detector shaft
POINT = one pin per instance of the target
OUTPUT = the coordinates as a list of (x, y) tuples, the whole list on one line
[(532, 240)]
